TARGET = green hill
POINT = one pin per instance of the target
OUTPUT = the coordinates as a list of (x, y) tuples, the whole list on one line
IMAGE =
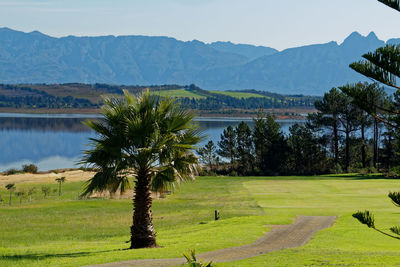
[(76, 97)]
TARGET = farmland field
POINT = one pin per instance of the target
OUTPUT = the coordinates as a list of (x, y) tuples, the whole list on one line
[(239, 94), (67, 231), (178, 93)]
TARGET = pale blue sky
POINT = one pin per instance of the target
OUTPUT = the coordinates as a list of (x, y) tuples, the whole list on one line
[(276, 23)]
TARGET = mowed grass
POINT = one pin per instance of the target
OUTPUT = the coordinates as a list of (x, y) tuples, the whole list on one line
[(178, 93), (238, 94), (67, 231)]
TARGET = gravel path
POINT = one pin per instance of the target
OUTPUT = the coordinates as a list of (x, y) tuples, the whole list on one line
[(280, 237)]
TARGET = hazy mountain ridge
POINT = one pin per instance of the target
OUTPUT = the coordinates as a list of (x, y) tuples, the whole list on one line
[(250, 51), (142, 60), (310, 70)]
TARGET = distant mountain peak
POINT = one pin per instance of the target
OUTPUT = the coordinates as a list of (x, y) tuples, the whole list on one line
[(354, 36), (372, 35)]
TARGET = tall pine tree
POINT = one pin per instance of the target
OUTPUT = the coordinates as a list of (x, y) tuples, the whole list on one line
[(383, 65)]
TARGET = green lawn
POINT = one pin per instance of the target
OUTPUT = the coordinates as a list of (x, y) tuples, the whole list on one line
[(70, 232), (178, 93), (238, 94)]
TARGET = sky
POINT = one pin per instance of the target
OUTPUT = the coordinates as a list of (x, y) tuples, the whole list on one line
[(275, 23)]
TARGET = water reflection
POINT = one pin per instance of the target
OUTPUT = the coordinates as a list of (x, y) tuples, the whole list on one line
[(57, 141)]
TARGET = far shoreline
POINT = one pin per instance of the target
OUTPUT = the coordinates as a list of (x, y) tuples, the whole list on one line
[(279, 114)]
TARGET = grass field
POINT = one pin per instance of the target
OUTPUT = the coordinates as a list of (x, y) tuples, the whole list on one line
[(70, 232), (178, 93), (238, 94)]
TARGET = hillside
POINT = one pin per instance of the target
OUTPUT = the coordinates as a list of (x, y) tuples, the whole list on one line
[(141, 60), (76, 97)]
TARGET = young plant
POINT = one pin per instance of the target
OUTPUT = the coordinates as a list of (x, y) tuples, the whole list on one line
[(10, 188), (31, 191), (191, 260), (60, 181), (367, 217), (21, 194), (45, 191)]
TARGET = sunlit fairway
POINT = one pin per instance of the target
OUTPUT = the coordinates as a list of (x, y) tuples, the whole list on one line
[(239, 94), (66, 231), (178, 93)]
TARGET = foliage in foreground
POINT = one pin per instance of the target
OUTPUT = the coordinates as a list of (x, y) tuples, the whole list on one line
[(192, 261), (382, 65), (367, 218), (148, 140)]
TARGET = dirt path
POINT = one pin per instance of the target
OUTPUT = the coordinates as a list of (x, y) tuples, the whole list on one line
[(280, 237)]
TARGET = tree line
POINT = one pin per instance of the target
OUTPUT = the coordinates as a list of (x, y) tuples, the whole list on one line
[(340, 137), (14, 96), (218, 102)]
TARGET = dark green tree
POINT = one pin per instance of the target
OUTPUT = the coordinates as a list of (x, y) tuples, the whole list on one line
[(374, 100), (337, 113), (349, 118), (207, 154), (227, 144), (244, 148), (307, 156), (269, 144), (327, 116), (148, 139)]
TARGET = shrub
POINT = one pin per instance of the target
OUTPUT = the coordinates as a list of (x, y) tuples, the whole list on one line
[(12, 171), (191, 260), (46, 191), (396, 170), (233, 173), (31, 168)]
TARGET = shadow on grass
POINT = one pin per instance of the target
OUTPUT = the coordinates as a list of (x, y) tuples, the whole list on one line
[(43, 256), (350, 176), (363, 177)]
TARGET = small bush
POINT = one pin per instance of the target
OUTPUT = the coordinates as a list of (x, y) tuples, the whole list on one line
[(233, 173), (396, 170), (31, 168), (46, 191), (191, 260), (12, 171)]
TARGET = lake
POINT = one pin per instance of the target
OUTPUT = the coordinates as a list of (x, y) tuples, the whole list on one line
[(57, 141)]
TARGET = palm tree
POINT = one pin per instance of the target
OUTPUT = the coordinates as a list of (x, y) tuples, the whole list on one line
[(11, 188), (148, 139), (60, 181)]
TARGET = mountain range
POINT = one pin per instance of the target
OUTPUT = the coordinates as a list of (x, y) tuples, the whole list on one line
[(144, 60)]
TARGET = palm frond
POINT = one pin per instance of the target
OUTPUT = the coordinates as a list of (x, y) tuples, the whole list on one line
[(395, 4), (143, 132)]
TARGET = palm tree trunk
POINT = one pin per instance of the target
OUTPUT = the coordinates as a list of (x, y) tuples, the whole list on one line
[(142, 230)]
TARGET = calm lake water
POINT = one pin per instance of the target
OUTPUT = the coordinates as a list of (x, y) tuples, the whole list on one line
[(57, 141)]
